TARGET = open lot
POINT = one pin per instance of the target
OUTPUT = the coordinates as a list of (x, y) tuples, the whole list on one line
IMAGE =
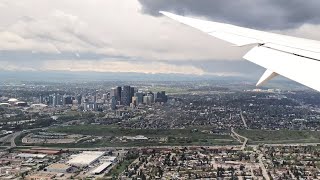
[(280, 136), (109, 136)]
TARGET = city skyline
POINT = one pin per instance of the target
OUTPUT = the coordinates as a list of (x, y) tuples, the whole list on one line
[(203, 129), (131, 89)]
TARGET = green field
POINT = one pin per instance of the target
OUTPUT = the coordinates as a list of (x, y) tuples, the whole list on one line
[(111, 130), (280, 136), (119, 168), (176, 137), (168, 90)]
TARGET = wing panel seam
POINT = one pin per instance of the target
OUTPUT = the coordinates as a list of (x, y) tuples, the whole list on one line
[(295, 54)]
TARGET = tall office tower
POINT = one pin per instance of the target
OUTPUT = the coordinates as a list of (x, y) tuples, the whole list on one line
[(54, 100), (161, 97), (113, 92), (126, 96), (59, 99), (139, 96), (46, 100), (151, 96), (66, 100), (157, 97), (132, 91), (85, 106), (40, 99), (148, 99), (113, 103), (164, 96), (50, 100), (134, 101), (118, 93), (79, 98), (105, 96), (94, 106)]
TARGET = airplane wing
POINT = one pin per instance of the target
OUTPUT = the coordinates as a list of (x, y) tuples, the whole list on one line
[(294, 58)]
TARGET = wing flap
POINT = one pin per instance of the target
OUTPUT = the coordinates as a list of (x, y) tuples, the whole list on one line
[(268, 75), (297, 68)]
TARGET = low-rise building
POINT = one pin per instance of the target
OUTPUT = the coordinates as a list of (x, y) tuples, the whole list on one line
[(101, 168), (59, 168)]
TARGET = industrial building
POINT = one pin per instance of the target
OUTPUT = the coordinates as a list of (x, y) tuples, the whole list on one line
[(85, 158), (109, 159), (101, 168), (27, 155)]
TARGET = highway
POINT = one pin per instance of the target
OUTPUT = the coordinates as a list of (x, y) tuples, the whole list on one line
[(14, 136), (243, 119)]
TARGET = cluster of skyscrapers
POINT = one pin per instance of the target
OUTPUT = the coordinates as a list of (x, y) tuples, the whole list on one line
[(118, 96), (129, 96), (88, 103), (57, 99)]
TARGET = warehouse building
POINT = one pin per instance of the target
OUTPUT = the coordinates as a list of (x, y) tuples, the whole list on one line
[(27, 156), (100, 169), (85, 158)]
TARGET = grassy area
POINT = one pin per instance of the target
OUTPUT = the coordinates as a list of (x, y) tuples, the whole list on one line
[(18, 139), (119, 168), (280, 136), (168, 90), (104, 130), (176, 137)]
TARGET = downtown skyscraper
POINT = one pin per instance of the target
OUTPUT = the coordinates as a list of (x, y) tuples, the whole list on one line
[(126, 95)]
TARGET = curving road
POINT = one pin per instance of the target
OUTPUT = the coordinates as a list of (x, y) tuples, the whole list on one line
[(238, 136)]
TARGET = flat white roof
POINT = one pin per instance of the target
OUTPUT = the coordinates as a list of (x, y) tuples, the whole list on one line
[(101, 168), (27, 155), (4, 104), (39, 105), (85, 158), (110, 158)]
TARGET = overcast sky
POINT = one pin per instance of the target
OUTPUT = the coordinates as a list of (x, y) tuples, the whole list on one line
[(131, 36)]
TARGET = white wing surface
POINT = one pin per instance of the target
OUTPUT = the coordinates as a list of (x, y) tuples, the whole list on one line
[(295, 58)]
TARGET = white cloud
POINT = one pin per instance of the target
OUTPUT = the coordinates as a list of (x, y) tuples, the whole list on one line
[(114, 27), (309, 31), (110, 27), (101, 66), (9, 66), (118, 66)]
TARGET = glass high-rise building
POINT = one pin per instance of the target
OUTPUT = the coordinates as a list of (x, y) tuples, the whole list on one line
[(139, 96), (126, 96), (118, 93)]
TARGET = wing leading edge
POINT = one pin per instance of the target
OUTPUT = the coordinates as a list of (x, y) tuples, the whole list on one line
[(294, 58)]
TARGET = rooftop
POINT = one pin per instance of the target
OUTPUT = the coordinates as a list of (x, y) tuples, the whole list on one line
[(85, 158)]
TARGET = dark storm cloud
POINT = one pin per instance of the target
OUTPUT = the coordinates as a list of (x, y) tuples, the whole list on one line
[(261, 14)]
